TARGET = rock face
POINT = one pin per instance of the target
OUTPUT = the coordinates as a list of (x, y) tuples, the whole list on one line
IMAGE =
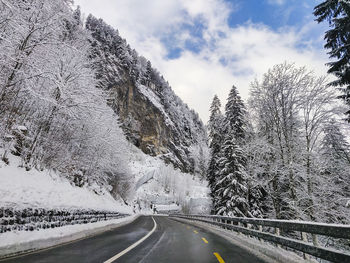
[(152, 116), (143, 123)]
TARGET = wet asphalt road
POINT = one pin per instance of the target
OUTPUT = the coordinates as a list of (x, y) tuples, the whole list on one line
[(171, 242)]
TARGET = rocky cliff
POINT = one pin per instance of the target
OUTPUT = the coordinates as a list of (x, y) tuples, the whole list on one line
[(153, 117)]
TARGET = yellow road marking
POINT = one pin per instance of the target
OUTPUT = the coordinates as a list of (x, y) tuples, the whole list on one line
[(188, 227), (205, 241), (217, 255), (195, 231)]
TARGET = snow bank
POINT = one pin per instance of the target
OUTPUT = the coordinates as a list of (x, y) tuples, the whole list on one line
[(14, 242), (21, 189)]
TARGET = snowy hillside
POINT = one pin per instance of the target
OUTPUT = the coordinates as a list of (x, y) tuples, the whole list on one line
[(151, 182), (64, 123), (44, 189), (153, 117)]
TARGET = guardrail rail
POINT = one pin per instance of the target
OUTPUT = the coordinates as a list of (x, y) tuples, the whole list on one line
[(255, 227)]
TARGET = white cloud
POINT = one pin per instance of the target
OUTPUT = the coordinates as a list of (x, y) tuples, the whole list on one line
[(248, 50), (276, 2)]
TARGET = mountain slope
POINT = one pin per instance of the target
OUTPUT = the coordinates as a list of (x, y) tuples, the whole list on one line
[(153, 117)]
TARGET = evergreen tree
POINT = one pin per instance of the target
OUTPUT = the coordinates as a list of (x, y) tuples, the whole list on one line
[(334, 189), (334, 144), (135, 67), (231, 188), (215, 137), (337, 13), (124, 54), (215, 122), (227, 173), (149, 73), (235, 112)]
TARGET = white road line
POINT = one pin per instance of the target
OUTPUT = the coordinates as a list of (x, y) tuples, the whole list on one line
[(133, 245)]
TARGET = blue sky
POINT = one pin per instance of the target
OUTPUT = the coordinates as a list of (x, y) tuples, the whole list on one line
[(276, 14), (203, 47)]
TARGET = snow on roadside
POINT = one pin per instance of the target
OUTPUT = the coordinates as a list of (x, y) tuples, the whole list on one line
[(16, 237), (22, 189)]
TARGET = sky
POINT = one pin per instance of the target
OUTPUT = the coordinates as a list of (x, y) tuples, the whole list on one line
[(203, 47)]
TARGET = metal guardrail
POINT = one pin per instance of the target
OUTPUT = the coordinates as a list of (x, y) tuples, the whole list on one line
[(245, 226)]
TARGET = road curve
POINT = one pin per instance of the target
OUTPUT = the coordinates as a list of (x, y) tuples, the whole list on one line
[(171, 241)]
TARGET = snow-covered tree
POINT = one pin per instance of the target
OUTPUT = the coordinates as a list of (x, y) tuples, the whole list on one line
[(149, 73), (227, 172), (258, 152), (332, 194), (30, 30), (317, 107), (275, 103), (48, 86), (235, 115), (231, 190), (334, 144), (291, 107), (215, 128), (337, 14)]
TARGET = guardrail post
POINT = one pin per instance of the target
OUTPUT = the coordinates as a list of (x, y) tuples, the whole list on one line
[(260, 230), (249, 226), (304, 237), (315, 240), (240, 225), (278, 233)]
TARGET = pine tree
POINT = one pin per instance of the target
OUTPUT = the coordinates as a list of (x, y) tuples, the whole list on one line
[(235, 113), (231, 195), (215, 137), (227, 173), (337, 13), (334, 189), (149, 73), (335, 147), (215, 122), (231, 188), (135, 67)]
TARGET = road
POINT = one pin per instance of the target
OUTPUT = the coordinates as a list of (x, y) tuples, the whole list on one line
[(171, 241)]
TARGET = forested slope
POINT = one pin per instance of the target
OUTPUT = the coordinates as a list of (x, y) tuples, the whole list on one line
[(153, 117), (70, 96)]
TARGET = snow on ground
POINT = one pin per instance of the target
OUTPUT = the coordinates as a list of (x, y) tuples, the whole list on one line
[(152, 182), (20, 189), (14, 237), (162, 185)]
